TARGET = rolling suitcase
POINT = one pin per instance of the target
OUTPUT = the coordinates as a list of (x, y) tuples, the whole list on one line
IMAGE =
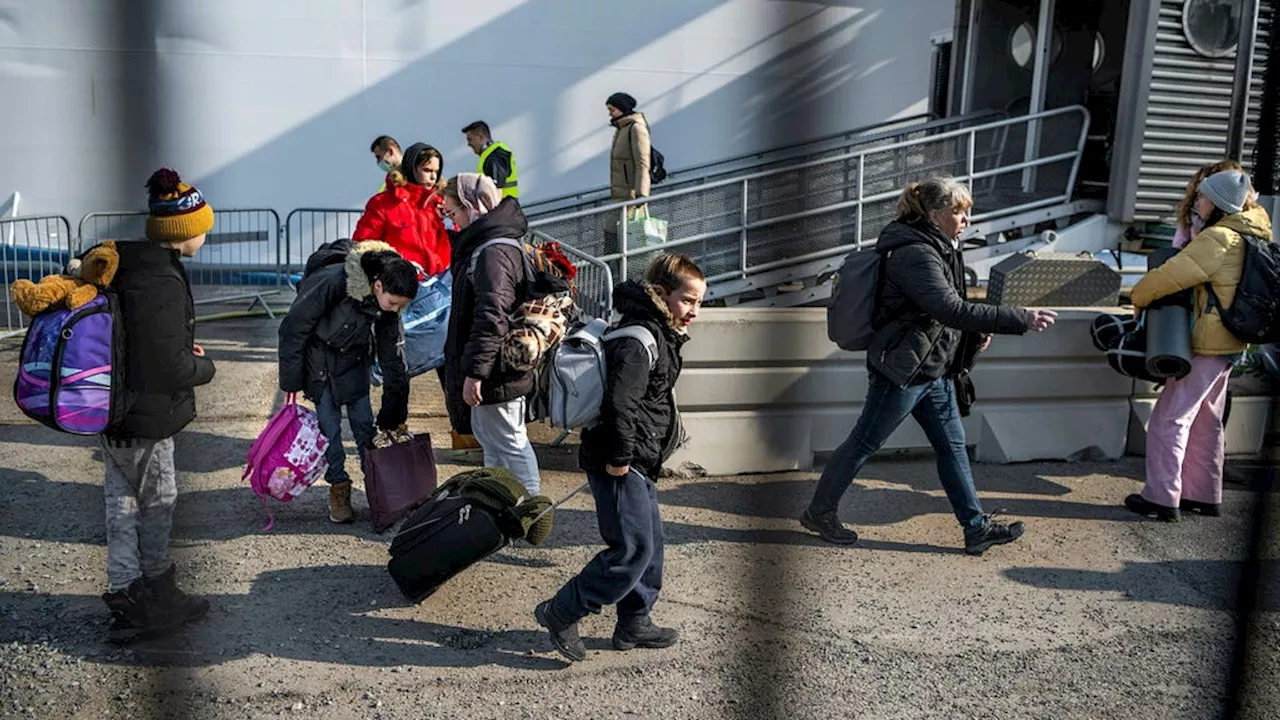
[(445, 536), (470, 517)]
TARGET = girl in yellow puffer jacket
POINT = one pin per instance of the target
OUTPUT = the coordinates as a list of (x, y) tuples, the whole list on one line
[(1185, 436)]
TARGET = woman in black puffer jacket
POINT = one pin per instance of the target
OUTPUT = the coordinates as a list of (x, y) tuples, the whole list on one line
[(923, 322)]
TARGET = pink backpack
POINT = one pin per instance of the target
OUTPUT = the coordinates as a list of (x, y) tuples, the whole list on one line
[(288, 455)]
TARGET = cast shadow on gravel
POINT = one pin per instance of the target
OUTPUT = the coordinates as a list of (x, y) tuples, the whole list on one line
[(195, 451), (328, 614), (224, 514), (863, 506), (1200, 584)]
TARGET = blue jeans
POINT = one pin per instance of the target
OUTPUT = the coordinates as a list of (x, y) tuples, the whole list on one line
[(933, 404), (628, 572), (359, 418)]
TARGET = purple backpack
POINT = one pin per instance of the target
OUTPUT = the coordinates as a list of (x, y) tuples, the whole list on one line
[(70, 375)]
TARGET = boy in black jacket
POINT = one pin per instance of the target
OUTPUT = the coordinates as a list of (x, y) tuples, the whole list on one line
[(163, 365), (348, 307), (639, 429)]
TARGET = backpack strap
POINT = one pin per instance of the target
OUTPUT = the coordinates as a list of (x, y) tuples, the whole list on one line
[(636, 332), (475, 254)]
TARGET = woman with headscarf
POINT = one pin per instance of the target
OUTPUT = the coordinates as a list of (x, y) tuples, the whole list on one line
[(483, 395), (407, 215)]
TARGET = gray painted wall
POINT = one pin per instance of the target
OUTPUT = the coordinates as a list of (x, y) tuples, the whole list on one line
[(274, 104)]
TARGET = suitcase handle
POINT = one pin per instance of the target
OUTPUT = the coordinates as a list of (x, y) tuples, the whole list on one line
[(542, 514), (561, 501)]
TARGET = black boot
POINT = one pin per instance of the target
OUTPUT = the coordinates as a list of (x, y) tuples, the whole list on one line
[(640, 632), (564, 636), (1142, 506), (828, 527), (132, 616), (1199, 508), (178, 607), (991, 534)]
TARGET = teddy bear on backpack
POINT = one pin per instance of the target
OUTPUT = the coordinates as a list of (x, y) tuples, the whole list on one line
[(77, 288)]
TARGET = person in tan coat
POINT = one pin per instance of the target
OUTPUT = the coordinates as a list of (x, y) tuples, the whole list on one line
[(1185, 436), (630, 156)]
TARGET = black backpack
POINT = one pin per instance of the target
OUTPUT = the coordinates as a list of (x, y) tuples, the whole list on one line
[(1254, 315), (331, 253), (657, 171)]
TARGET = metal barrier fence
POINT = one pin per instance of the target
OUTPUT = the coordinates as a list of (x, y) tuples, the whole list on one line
[(241, 251), (594, 280), (307, 229), (746, 225), (30, 248)]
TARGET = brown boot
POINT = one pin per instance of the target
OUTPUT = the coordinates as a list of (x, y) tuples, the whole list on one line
[(464, 442), (340, 503)]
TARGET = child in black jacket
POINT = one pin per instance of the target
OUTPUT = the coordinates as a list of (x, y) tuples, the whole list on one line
[(163, 366), (639, 429), (348, 309)]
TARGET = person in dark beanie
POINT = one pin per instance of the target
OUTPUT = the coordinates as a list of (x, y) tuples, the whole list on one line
[(622, 454), (164, 365), (347, 309), (629, 157)]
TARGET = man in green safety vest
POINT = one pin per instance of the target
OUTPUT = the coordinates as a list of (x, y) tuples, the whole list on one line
[(496, 159)]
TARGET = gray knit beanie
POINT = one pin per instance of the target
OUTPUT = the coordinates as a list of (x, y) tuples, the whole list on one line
[(1228, 190)]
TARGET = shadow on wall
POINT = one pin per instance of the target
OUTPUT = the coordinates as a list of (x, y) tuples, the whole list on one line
[(767, 105)]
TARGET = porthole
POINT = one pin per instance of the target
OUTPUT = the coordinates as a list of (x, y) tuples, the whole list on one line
[(1212, 27), (1022, 44)]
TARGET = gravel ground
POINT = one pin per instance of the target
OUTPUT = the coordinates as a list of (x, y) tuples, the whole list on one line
[(1094, 614)]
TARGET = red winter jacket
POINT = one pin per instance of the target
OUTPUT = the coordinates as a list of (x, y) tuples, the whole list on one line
[(408, 219)]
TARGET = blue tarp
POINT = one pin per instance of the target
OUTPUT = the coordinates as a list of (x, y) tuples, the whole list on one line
[(426, 323)]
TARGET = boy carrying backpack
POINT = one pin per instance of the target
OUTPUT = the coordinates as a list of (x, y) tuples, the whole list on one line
[(347, 309), (638, 429), (163, 365)]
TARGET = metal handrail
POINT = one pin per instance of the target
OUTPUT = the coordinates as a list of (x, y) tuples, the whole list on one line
[(861, 136), (744, 226), (922, 120)]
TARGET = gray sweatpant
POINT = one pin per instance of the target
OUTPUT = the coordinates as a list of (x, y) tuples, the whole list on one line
[(140, 493), (501, 432)]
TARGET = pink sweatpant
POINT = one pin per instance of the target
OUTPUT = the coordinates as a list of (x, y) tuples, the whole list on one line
[(1185, 437)]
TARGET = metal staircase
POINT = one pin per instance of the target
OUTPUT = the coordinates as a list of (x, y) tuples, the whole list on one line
[(833, 145), (772, 236)]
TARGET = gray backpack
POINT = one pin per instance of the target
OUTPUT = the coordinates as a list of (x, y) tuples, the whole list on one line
[(855, 290), (576, 372)]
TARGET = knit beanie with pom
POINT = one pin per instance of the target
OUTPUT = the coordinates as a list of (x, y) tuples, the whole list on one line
[(178, 210)]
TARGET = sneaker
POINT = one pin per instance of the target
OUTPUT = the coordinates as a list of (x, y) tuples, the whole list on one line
[(1200, 508), (564, 636), (829, 527), (340, 503), (640, 632), (1140, 505), (992, 533), (177, 607)]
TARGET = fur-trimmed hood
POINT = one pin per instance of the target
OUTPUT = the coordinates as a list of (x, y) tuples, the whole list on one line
[(637, 299), (359, 286)]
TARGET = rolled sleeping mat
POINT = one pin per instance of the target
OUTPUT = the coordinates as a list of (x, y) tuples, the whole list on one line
[(1168, 323)]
